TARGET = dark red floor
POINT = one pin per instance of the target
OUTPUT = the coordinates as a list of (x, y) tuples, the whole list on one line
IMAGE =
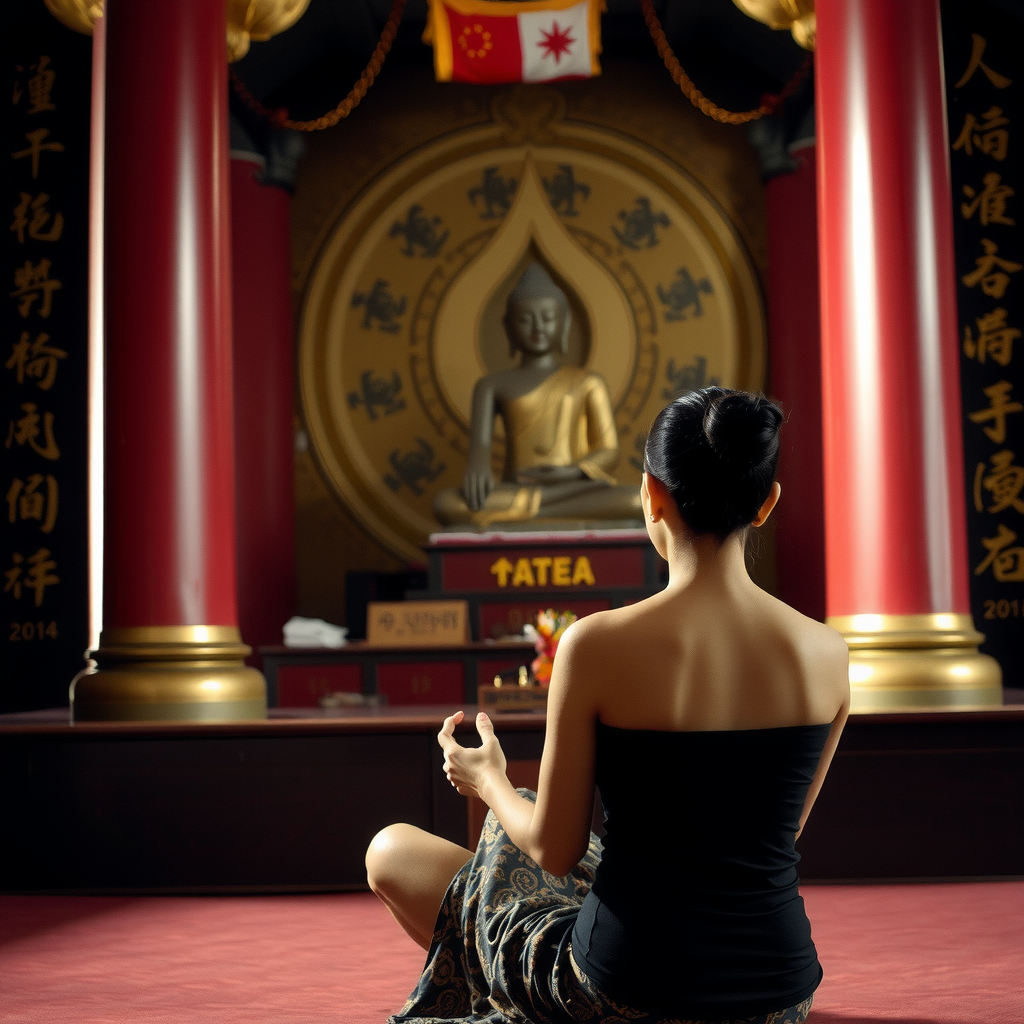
[(913, 954)]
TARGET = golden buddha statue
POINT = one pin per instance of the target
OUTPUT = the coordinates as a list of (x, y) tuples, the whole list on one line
[(560, 439)]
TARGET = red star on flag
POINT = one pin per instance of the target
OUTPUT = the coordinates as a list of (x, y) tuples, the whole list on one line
[(535, 41), (556, 42)]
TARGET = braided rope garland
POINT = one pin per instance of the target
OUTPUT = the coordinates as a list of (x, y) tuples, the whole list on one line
[(769, 105), (280, 118)]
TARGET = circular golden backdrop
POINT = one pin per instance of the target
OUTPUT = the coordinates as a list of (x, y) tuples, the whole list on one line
[(403, 310)]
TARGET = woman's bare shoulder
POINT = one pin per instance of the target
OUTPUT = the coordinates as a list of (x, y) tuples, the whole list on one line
[(799, 624), (600, 632), (819, 637), (817, 647)]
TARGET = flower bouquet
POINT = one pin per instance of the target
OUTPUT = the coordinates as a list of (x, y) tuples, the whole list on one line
[(545, 636)]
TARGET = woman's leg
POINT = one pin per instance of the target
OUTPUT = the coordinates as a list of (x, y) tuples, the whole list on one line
[(410, 871)]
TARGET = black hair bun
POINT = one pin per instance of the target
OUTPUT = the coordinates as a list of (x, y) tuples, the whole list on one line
[(716, 451), (743, 429)]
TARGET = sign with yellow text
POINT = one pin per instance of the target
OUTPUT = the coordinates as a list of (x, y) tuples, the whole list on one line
[(44, 368), (544, 567), (985, 104), (544, 571)]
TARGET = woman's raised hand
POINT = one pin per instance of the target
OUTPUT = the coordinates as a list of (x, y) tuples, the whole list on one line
[(468, 768)]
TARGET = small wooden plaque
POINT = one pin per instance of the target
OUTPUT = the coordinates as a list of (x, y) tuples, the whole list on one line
[(511, 697), (417, 623)]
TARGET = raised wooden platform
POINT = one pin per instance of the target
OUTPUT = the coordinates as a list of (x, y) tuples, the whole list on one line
[(289, 804)]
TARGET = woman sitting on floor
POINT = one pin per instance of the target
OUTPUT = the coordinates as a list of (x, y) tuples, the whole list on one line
[(708, 715)]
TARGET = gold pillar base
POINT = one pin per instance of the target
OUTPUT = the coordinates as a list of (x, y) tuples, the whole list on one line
[(918, 661), (169, 674)]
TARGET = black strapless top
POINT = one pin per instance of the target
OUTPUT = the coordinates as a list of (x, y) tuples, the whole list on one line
[(695, 910)]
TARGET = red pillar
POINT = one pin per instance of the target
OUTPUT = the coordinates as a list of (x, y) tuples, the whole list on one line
[(794, 334), (896, 560), (264, 402), (170, 646)]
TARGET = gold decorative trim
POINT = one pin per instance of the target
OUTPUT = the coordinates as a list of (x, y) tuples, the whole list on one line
[(78, 15), (259, 20), (796, 15), (115, 636), (913, 661), (940, 629), (169, 673)]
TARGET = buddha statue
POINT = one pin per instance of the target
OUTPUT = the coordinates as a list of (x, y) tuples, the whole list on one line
[(560, 439)]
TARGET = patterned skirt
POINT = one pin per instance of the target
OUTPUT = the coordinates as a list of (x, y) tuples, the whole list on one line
[(501, 951)]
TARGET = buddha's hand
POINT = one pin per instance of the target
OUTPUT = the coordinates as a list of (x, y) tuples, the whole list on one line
[(469, 768), (478, 481), (551, 474)]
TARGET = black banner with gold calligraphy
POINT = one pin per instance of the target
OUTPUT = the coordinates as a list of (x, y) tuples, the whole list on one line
[(44, 369), (983, 42)]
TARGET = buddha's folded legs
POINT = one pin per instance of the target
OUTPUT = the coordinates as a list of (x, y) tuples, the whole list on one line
[(509, 502), (506, 503), (599, 501)]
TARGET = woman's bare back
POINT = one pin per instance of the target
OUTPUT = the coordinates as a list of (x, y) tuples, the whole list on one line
[(718, 654)]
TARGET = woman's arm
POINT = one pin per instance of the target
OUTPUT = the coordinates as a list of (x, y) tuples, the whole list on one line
[(556, 830), (823, 764), (840, 672)]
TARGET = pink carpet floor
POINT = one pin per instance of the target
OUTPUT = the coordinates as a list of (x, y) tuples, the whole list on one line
[(912, 954)]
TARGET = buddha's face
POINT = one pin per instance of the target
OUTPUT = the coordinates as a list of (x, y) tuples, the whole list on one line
[(536, 326)]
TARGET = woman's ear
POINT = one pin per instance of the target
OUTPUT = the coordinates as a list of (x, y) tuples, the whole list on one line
[(657, 497), (769, 503)]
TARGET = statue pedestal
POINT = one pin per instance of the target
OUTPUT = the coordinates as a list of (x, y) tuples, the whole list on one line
[(508, 576)]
